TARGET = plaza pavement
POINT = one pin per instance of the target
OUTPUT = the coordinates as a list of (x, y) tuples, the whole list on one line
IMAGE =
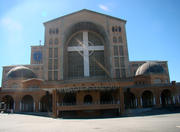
[(30, 123)]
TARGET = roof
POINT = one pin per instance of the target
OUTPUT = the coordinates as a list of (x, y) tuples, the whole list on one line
[(86, 11), (20, 72), (150, 68), (27, 65), (140, 61)]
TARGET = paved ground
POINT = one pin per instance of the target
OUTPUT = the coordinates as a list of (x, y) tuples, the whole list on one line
[(29, 123)]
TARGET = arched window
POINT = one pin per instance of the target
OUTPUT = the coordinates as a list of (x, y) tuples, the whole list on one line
[(119, 29), (85, 55), (113, 29), (50, 41), (56, 41), (114, 39), (88, 99), (57, 30)]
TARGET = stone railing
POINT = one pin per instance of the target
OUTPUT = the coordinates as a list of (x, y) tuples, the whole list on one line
[(87, 104)]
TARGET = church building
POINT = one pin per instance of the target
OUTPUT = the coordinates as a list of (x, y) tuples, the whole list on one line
[(83, 70)]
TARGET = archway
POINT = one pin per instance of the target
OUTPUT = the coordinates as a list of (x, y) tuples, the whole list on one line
[(46, 103), (27, 103), (147, 99), (166, 97), (88, 99), (106, 97), (129, 100), (69, 99), (85, 43), (9, 102)]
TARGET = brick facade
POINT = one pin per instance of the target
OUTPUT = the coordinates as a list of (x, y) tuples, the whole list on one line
[(112, 94)]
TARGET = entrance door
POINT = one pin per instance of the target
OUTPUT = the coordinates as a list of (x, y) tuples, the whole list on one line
[(27, 103), (166, 97)]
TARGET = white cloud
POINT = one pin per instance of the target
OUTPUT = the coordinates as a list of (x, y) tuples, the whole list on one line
[(10, 24), (103, 7)]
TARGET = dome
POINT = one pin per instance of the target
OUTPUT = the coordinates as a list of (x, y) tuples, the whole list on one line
[(150, 68), (20, 72)]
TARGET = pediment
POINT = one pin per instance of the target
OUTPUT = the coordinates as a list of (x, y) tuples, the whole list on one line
[(84, 11)]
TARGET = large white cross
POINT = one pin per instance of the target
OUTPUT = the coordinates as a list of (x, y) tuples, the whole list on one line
[(84, 46)]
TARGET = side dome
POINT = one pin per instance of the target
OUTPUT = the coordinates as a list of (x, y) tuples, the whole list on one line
[(20, 72), (150, 68)]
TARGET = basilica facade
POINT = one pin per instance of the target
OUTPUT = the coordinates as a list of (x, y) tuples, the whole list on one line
[(83, 70)]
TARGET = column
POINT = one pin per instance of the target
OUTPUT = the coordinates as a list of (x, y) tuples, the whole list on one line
[(139, 102), (154, 100), (20, 106), (55, 112), (160, 100), (96, 97), (14, 106), (122, 109), (34, 106), (39, 106), (17, 101), (174, 100)]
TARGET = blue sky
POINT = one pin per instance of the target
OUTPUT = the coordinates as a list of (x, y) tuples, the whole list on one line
[(153, 27)]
